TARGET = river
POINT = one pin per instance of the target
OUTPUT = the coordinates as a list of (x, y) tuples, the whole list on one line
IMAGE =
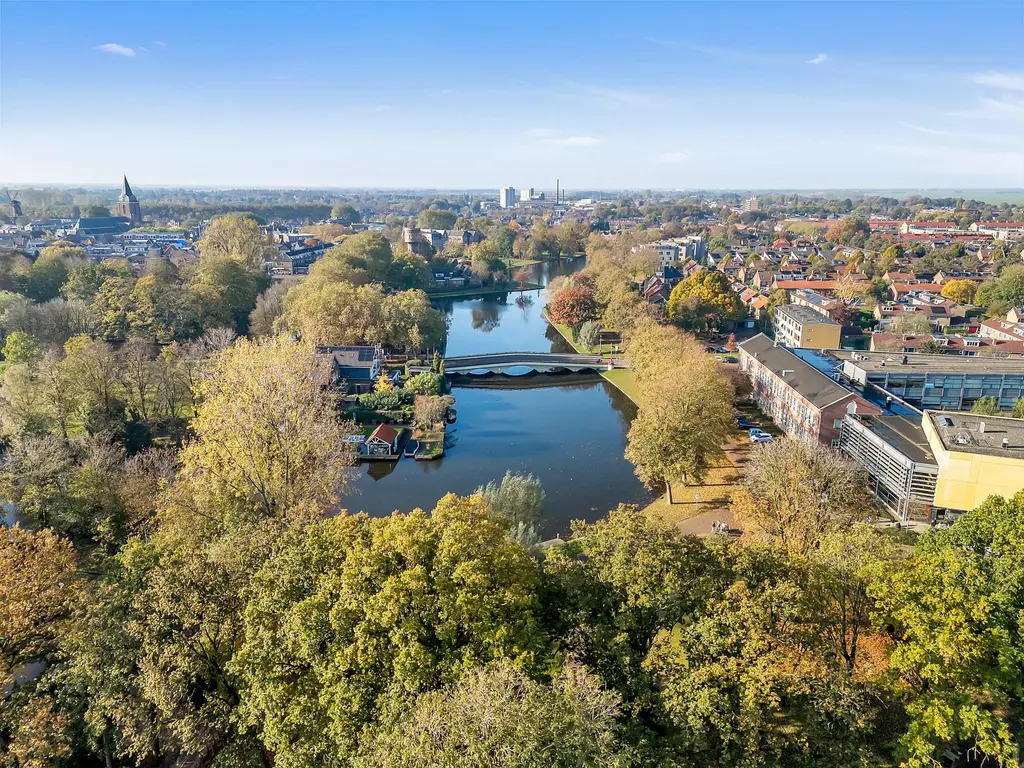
[(568, 430)]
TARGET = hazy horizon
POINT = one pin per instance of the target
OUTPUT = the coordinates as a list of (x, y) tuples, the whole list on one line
[(723, 96)]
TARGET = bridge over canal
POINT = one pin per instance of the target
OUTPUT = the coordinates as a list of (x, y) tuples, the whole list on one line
[(541, 362)]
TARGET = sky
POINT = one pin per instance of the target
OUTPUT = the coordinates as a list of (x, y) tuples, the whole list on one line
[(602, 95)]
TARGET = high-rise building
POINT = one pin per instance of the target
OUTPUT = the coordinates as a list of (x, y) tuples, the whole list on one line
[(751, 204), (128, 204), (507, 197), (526, 195)]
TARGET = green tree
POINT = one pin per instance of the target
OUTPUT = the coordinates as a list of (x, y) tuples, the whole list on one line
[(955, 611), (21, 348), (497, 717), (516, 502), (589, 334), (346, 214), (435, 219), (986, 406), (353, 619)]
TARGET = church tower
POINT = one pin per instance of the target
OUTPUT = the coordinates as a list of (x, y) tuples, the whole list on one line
[(128, 204)]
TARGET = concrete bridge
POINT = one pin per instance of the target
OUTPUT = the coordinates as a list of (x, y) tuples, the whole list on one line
[(541, 362)]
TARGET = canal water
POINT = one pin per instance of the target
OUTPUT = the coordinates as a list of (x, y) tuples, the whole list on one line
[(569, 430)]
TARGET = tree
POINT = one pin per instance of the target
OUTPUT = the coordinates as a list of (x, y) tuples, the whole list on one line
[(681, 426), (38, 590), (572, 305), (848, 231), (999, 294), (434, 219), (431, 409), (1018, 409), (426, 383), (50, 270), (268, 439), (357, 616), (793, 492), (955, 612), (960, 291), (589, 334), (516, 502), (910, 324), (986, 406), (263, 320), (497, 716), (346, 214), (237, 238), (21, 348), (703, 301)]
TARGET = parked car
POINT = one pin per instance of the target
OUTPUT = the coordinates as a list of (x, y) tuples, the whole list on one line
[(742, 423), (755, 431), (761, 437)]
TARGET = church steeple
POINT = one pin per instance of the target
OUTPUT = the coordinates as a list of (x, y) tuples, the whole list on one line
[(126, 192), (128, 204)]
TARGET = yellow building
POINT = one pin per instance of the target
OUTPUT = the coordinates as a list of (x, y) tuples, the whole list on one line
[(804, 328), (977, 456)]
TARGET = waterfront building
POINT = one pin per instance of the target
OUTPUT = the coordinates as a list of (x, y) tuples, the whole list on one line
[(802, 327), (802, 400)]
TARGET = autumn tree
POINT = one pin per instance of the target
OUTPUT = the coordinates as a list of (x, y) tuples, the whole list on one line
[(682, 423), (703, 301), (236, 237), (960, 291), (910, 324), (794, 491), (572, 305)]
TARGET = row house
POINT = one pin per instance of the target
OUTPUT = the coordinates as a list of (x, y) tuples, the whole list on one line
[(947, 344), (1001, 330)]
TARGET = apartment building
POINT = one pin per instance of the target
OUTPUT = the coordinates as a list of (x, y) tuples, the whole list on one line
[(802, 400), (802, 327)]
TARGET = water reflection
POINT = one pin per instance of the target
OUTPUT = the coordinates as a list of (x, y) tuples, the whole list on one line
[(486, 318)]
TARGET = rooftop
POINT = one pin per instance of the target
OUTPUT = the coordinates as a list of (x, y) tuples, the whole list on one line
[(817, 388), (924, 363), (804, 315), (904, 433), (974, 433)]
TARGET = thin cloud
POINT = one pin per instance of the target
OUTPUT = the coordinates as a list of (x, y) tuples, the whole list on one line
[(1006, 81), (572, 141), (672, 157), (117, 50), (620, 97), (821, 58), (159, 43), (996, 137), (539, 133)]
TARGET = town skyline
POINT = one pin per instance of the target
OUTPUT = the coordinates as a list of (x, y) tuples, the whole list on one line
[(739, 96)]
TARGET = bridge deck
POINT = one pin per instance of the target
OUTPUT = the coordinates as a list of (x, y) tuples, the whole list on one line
[(498, 361)]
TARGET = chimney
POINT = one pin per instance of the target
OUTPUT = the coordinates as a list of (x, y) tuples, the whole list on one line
[(786, 372), (1006, 443), (981, 428)]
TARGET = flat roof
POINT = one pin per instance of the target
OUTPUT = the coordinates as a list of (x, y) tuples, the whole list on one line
[(974, 433), (904, 433), (805, 315), (889, 362)]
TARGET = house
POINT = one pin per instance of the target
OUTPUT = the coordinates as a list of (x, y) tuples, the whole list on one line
[(947, 344), (383, 441), (354, 369), (802, 400), (817, 302), (1001, 330), (898, 290)]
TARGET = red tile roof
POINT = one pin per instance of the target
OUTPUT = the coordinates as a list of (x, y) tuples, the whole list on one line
[(385, 433)]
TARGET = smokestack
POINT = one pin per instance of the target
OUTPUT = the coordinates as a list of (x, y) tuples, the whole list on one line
[(557, 182)]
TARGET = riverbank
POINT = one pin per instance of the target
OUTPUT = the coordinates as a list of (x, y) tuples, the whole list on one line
[(620, 378), (474, 292)]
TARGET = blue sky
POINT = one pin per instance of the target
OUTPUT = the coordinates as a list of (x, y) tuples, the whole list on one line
[(454, 95)]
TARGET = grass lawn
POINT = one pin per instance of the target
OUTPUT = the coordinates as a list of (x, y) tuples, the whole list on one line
[(622, 379), (715, 492)]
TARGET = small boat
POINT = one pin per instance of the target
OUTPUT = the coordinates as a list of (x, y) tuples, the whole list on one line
[(411, 448)]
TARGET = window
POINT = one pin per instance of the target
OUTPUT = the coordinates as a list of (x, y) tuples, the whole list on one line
[(835, 443), (838, 423)]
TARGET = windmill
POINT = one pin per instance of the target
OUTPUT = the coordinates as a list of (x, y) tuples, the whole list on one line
[(13, 203)]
